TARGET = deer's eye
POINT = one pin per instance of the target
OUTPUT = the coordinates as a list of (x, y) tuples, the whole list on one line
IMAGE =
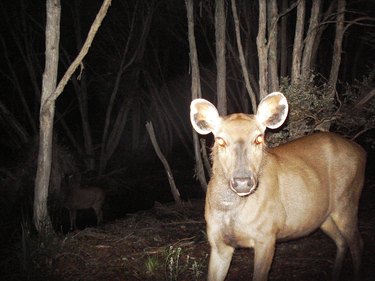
[(221, 142), (259, 139)]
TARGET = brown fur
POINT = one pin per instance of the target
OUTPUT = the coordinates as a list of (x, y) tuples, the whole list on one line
[(76, 198), (257, 195), (309, 183)]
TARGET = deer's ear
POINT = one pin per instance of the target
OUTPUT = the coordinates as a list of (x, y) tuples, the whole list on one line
[(272, 110), (204, 116)]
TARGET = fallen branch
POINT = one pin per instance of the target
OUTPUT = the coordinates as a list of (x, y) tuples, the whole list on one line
[(174, 190)]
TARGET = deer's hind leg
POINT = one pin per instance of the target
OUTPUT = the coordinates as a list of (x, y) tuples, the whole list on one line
[(344, 231), (99, 214), (330, 228), (73, 217), (347, 223)]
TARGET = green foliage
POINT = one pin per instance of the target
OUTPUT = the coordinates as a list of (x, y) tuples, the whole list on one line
[(152, 265), (310, 106), (314, 106), (173, 267), (176, 265), (197, 269), (357, 114)]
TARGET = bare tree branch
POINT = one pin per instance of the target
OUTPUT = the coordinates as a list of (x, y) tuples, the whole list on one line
[(245, 72), (174, 190), (85, 48)]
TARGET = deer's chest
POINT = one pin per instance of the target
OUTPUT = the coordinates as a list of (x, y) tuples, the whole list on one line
[(242, 225), (231, 228)]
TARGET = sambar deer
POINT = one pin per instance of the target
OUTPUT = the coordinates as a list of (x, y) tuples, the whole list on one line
[(258, 195), (76, 197)]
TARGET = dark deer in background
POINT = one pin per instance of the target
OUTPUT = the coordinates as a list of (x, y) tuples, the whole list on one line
[(76, 197), (258, 195)]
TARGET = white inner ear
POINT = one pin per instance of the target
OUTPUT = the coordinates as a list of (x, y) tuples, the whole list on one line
[(272, 110), (204, 116)]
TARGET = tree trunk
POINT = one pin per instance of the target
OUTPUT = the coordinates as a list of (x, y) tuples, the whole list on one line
[(13, 77), (298, 42), (195, 90), (336, 55), (284, 41), (337, 45), (47, 106), (220, 23), (42, 220), (272, 50), (19, 135), (311, 38), (104, 156), (262, 50), (326, 17), (118, 127), (86, 129), (245, 72), (81, 92), (195, 76), (127, 59)]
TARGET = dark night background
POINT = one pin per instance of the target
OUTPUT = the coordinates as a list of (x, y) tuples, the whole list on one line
[(139, 60)]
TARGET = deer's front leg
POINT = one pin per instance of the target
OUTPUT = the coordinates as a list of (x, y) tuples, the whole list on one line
[(263, 254), (220, 258)]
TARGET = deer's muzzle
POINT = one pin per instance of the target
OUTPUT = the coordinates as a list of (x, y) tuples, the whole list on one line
[(243, 185)]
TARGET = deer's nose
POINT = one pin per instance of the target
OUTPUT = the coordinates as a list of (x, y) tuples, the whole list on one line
[(243, 185)]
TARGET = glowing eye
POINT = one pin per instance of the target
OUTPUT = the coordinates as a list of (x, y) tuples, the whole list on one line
[(259, 139), (220, 142)]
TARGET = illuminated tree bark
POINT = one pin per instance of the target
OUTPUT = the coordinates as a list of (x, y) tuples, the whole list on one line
[(220, 23), (195, 91), (273, 77), (42, 220), (298, 42), (262, 50), (50, 92)]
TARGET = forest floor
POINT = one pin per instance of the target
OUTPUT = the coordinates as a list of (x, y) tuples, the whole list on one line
[(169, 243)]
